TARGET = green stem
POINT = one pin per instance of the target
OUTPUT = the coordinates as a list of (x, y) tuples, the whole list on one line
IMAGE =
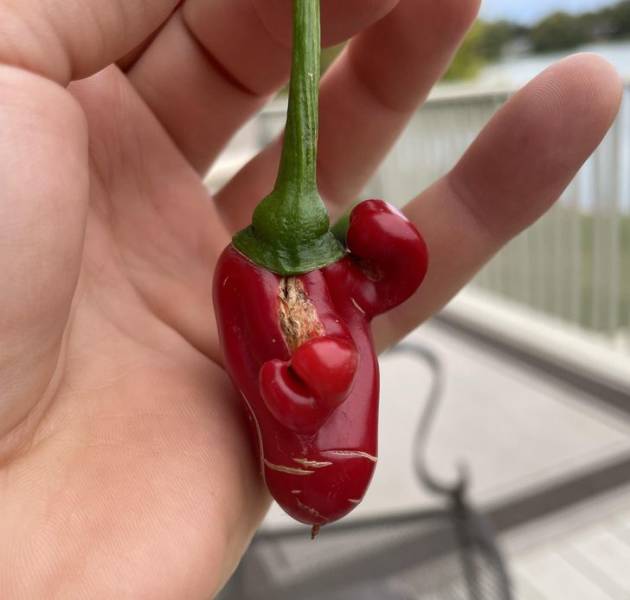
[(290, 231), (298, 164)]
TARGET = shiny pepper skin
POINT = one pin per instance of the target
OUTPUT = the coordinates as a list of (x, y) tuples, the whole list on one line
[(300, 351)]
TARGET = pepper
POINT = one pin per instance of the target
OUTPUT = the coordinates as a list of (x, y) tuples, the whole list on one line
[(294, 306)]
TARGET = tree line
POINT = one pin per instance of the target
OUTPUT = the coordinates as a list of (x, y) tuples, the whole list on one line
[(488, 41)]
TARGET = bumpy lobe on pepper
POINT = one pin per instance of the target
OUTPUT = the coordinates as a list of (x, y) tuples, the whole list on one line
[(302, 393), (300, 351)]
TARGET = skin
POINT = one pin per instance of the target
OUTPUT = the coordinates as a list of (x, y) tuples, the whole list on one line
[(125, 468)]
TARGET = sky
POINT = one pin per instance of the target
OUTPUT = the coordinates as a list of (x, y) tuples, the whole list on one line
[(528, 11)]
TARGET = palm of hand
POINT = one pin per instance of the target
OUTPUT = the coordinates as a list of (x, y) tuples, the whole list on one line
[(134, 453)]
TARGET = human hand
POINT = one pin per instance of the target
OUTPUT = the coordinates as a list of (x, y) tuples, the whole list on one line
[(125, 469)]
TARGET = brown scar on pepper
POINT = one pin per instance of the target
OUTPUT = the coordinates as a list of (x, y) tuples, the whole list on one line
[(312, 464), (299, 320), (287, 470), (309, 509)]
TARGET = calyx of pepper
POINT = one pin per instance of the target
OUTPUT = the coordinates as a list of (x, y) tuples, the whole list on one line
[(290, 231)]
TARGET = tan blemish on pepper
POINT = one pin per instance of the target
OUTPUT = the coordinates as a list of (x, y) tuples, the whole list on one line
[(312, 464), (311, 511), (287, 470), (356, 304), (352, 454), (252, 416), (298, 317)]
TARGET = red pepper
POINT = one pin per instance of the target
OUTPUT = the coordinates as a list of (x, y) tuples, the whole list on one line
[(294, 306), (312, 386)]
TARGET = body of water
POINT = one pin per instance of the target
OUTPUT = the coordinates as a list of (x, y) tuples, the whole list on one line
[(517, 71)]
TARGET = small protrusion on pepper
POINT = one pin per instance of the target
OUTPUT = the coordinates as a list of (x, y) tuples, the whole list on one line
[(327, 365), (389, 251), (303, 392)]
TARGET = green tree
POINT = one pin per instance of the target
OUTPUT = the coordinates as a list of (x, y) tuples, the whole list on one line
[(469, 59), (484, 43), (559, 31), (494, 36), (620, 19)]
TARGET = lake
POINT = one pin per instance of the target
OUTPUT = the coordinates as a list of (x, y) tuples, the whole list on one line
[(516, 71)]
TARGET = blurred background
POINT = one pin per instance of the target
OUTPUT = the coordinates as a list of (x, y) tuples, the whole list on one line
[(526, 374)]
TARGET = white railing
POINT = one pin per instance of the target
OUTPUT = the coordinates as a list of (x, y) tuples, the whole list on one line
[(573, 265)]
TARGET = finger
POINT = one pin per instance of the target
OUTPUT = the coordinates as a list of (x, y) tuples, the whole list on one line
[(366, 100), (43, 169), (513, 172), (126, 62), (64, 40), (216, 63)]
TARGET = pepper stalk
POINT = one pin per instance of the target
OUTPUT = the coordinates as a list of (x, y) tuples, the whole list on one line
[(290, 231)]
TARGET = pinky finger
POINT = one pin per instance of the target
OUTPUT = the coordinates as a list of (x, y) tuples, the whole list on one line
[(514, 172)]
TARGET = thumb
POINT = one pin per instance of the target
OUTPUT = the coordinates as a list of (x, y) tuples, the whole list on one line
[(43, 201)]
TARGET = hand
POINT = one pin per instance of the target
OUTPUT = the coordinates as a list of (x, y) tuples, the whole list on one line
[(125, 469)]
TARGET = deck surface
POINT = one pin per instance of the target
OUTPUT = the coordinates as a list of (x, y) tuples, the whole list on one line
[(519, 431)]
